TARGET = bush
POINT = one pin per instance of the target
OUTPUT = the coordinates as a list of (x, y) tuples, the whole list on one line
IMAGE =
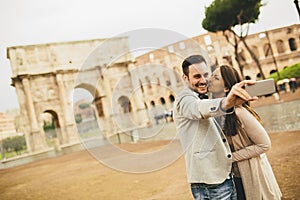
[(288, 72), (84, 106), (78, 118), (48, 126), (17, 144)]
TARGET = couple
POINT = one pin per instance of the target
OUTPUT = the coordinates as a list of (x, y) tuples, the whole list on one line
[(223, 139)]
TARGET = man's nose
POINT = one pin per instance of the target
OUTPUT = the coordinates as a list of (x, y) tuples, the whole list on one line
[(204, 80)]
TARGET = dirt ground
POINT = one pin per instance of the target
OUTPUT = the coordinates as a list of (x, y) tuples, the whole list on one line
[(79, 176)]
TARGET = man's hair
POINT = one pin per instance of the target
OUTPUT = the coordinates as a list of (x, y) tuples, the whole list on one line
[(194, 59)]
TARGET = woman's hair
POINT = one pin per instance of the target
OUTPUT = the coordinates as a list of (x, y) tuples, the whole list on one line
[(232, 123)]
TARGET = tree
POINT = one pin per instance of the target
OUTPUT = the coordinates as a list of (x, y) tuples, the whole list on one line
[(16, 144), (292, 71), (227, 16), (48, 125), (78, 118), (84, 106)]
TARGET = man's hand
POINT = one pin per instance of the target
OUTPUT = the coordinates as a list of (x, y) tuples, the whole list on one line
[(238, 95)]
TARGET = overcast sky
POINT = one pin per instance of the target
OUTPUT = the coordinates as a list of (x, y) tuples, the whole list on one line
[(25, 22)]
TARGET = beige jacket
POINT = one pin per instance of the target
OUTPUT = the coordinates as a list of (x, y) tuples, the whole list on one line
[(250, 146), (207, 153)]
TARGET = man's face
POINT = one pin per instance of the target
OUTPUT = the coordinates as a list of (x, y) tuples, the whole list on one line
[(198, 77)]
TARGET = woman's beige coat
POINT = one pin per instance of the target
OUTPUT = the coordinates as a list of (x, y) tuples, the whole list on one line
[(250, 146)]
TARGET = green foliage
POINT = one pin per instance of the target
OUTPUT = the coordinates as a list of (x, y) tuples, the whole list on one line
[(223, 15), (11, 154), (48, 126), (84, 106), (78, 118), (288, 72), (16, 144)]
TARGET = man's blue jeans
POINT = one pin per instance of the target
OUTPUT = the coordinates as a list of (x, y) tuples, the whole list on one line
[(223, 191)]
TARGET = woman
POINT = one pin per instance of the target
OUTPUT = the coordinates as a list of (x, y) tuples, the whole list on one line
[(249, 141)]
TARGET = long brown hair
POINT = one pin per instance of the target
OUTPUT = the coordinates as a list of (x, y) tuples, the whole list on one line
[(232, 123)]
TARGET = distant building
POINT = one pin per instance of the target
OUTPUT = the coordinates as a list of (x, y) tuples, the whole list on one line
[(275, 49), (7, 126)]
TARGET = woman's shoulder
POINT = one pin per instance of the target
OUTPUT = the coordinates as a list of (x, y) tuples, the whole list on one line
[(241, 111)]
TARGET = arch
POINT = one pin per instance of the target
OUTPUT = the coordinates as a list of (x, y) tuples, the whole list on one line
[(267, 50), (162, 100), (273, 71), (50, 89), (280, 46), (85, 116), (51, 127), (151, 56), (79, 93), (171, 98), (125, 104), (55, 117), (258, 76), (247, 77), (152, 103), (92, 89), (182, 45), (292, 44), (91, 95)]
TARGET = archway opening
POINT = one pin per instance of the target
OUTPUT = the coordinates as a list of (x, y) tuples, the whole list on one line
[(162, 101), (125, 104), (273, 71), (51, 127), (247, 77), (85, 111), (171, 98), (87, 94), (292, 44), (258, 76)]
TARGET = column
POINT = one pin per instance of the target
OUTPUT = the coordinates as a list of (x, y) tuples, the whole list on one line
[(38, 139), (69, 133)]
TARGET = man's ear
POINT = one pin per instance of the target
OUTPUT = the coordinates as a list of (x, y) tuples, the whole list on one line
[(226, 89), (185, 78)]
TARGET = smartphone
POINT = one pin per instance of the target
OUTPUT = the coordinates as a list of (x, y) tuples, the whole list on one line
[(261, 88)]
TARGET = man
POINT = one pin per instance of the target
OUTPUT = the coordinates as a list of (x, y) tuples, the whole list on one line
[(207, 153)]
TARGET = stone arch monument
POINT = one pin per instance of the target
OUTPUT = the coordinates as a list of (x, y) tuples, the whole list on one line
[(45, 75)]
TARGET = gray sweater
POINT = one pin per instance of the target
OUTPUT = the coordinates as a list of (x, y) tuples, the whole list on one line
[(207, 153)]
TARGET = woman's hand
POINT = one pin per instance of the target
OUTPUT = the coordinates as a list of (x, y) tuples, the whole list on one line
[(238, 95)]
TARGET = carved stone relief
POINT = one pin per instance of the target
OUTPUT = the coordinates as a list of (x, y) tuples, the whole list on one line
[(43, 54), (19, 58), (31, 55), (44, 94)]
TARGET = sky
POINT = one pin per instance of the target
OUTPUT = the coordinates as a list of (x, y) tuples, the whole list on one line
[(26, 22)]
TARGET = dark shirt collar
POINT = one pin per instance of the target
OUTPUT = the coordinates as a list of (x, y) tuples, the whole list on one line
[(201, 96)]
